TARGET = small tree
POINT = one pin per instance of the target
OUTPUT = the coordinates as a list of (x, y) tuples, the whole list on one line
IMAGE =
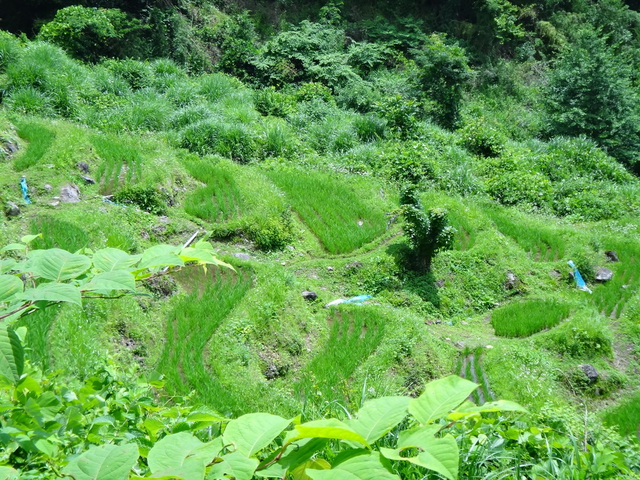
[(428, 232)]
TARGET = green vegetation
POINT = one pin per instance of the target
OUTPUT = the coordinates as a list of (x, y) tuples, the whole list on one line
[(626, 417), (40, 139), (521, 319)]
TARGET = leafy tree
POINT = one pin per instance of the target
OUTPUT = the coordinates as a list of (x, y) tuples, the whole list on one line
[(428, 232), (590, 93)]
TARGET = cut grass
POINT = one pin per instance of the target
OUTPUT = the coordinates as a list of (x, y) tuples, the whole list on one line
[(190, 326), (121, 164), (40, 139), (57, 234), (522, 319), (220, 200), (344, 214), (542, 243), (354, 335), (626, 417)]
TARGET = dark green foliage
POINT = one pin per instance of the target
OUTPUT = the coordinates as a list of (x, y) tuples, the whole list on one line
[(232, 140), (590, 93), (93, 33), (428, 232), (145, 198), (443, 70), (401, 114), (522, 319)]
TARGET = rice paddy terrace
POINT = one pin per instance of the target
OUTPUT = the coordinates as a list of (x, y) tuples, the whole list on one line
[(498, 308)]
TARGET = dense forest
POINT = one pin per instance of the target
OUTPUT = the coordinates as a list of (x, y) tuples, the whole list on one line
[(320, 240)]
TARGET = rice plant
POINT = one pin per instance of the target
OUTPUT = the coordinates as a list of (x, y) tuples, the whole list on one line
[(191, 324), (354, 334), (522, 319), (220, 200), (121, 163), (57, 233), (344, 214), (40, 139), (626, 417)]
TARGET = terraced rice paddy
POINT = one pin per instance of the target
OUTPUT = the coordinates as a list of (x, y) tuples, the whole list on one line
[(121, 164), (58, 234), (40, 140), (522, 319), (344, 214), (220, 199), (626, 417)]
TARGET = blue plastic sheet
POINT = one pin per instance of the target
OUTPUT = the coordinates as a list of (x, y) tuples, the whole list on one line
[(25, 189), (580, 283)]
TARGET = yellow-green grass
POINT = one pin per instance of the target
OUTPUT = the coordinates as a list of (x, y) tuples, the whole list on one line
[(121, 163), (626, 417), (542, 243), (40, 139), (220, 199), (522, 319), (191, 324), (57, 233), (344, 213), (354, 334), (612, 297)]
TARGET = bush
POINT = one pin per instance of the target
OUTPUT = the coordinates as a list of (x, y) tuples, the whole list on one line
[(232, 140), (584, 336), (145, 198), (10, 49), (269, 101), (137, 74), (480, 138), (401, 115)]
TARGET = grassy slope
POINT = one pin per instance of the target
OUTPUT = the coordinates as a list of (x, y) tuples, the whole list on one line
[(268, 348)]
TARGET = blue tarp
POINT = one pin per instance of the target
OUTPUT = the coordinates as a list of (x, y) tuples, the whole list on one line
[(580, 283), (25, 189)]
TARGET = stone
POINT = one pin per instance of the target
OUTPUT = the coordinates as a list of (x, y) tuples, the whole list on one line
[(488, 347), (463, 322), (590, 372), (48, 187), (309, 295), (55, 203), (611, 256), (70, 194), (603, 274), (83, 167), (459, 345), (11, 209), (511, 282), (88, 180), (353, 265), (330, 269), (11, 147), (440, 283)]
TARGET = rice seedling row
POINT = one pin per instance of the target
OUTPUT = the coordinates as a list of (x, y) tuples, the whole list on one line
[(335, 212), (522, 319), (220, 200), (58, 234), (354, 335), (40, 139), (626, 417), (190, 326), (121, 164)]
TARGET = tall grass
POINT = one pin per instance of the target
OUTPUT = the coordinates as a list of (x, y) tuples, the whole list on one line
[(40, 139), (626, 417), (190, 326), (344, 213), (220, 200), (521, 319), (57, 234), (542, 243), (354, 334), (121, 163)]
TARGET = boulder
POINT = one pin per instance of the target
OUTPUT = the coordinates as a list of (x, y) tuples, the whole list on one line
[(11, 209), (308, 295), (48, 187), (611, 256), (83, 167), (590, 372), (88, 180), (70, 194), (511, 282), (11, 147), (242, 256), (603, 274)]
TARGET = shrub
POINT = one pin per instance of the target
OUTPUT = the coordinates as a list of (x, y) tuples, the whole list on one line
[(584, 336), (401, 114), (408, 162), (10, 49), (137, 74), (233, 140), (370, 127), (145, 198), (28, 100), (480, 138), (269, 101)]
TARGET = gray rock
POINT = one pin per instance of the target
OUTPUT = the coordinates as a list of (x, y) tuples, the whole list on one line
[(88, 180), (48, 187), (308, 295), (242, 256), (11, 209), (329, 269), (353, 265), (70, 194), (511, 282), (11, 147), (611, 256), (83, 167), (590, 372), (604, 274)]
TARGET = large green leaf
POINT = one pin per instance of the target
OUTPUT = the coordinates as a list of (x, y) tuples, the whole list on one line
[(440, 397), (438, 454), (377, 417), (105, 462), (11, 354), (234, 465), (53, 292), (8, 473), (107, 282), (328, 428), (182, 452), (111, 259), (252, 432), (10, 286), (295, 455), (7, 264), (57, 265), (366, 466), (467, 409), (160, 256)]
